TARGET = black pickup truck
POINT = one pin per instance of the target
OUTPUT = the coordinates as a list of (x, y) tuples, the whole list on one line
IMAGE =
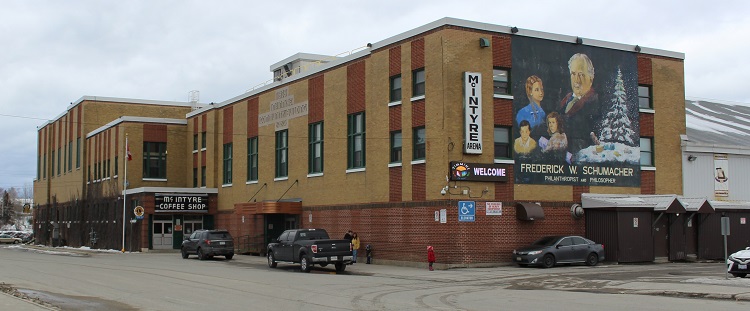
[(309, 247)]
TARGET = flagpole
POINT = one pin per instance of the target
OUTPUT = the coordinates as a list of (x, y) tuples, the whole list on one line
[(124, 188)]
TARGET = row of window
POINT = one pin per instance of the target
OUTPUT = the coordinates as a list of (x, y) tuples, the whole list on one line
[(62, 165)]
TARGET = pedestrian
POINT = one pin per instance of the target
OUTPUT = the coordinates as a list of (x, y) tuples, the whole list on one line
[(355, 247), (348, 236), (430, 256)]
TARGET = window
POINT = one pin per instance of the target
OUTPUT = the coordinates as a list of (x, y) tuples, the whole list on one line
[(116, 165), (227, 172), (154, 160), (52, 163), (500, 78), (203, 140), (644, 97), (195, 177), (419, 143), (70, 156), (109, 166), (252, 159), (78, 152), (396, 147), (282, 147), (195, 142), (502, 143), (59, 154), (203, 176), (418, 82), (315, 154), (396, 88), (44, 170), (355, 141), (647, 151)]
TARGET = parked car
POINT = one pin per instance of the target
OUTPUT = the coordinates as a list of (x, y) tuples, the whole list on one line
[(309, 247), (738, 264), (208, 243), (5, 238), (551, 250)]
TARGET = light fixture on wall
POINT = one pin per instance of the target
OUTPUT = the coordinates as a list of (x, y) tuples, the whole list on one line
[(514, 30), (484, 42), (692, 158), (638, 48), (579, 40)]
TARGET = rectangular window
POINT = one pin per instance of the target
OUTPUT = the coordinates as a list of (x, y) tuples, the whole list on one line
[(644, 97), (70, 156), (195, 176), (315, 153), (252, 159), (65, 158), (195, 142), (500, 84), (282, 148), (396, 147), (418, 82), (227, 173), (38, 167), (154, 160), (59, 154), (203, 176), (396, 88), (203, 140), (52, 163), (109, 166), (117, 167), (419, 143), (78, 152), (502, 143), (647, 151), (356, 140)]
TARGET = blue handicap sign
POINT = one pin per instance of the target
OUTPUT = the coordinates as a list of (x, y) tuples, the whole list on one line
[(466, 210)]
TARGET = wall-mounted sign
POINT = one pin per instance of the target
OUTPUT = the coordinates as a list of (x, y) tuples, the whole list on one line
[(443, 216), (281, 110), (493, 208), (472, 113), (478, 171), (721, 175), (188, 203), (139, 211)]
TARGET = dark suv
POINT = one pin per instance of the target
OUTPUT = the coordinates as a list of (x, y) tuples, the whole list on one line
[(208, 243)]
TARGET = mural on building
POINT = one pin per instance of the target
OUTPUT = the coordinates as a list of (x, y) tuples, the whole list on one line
[(575, 114)]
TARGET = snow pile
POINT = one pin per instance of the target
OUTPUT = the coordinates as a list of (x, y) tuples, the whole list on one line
[(610, 152)]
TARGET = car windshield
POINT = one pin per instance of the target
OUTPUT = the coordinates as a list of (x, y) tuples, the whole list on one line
[(219, 236), (546, 241)]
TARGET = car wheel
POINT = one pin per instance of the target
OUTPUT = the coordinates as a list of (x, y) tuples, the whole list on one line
[(15, 242), (323, 265), (548, 261), (185, 254), (304, 264), (340, 267), (229, 257), (271, 260), (592, 259), (201, 255)]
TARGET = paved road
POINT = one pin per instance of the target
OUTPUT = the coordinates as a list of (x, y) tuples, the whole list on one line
[(82, 280)]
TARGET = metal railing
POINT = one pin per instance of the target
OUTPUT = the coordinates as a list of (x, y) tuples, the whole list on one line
[(247, 244)]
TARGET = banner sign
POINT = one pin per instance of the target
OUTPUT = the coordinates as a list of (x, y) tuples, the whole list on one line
[(721, 175), (575, 114), (189, 203), (478, 171), (472, 113)]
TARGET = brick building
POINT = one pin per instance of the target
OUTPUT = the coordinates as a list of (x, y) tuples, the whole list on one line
[(408, 141)]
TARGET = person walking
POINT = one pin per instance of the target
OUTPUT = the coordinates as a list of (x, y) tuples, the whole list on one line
[(355, 247), (430, 256)]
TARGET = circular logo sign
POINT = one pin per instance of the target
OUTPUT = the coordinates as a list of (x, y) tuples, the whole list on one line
[(139, 211)]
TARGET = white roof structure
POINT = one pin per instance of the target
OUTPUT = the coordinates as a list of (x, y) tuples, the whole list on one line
[(658, 203)]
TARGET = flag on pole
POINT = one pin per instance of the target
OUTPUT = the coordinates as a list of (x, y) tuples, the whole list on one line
[(130, 156)]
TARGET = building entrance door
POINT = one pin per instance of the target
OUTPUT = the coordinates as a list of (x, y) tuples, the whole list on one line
[(162, 232), (192, 223)]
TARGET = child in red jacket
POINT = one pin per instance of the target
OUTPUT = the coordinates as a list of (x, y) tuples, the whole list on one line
[(430, 256)]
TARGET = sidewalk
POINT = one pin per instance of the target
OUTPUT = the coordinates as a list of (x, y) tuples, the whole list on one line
[(10, 302)]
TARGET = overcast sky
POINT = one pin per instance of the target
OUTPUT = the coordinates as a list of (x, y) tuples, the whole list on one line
[(55, 52)]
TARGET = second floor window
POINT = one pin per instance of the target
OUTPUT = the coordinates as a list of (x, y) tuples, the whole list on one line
[(315, 153), (252, 159), (154, 160), (195, 142), (395, 94), (203, 176), (420, 143), (227, 174), (203, 140), (396, 147), (502, 143), (356, 140), (418, 79), (282, 149), (195, 177), (647, 151)]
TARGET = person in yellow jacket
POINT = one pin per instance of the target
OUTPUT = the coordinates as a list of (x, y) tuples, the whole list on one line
[(355, 246)]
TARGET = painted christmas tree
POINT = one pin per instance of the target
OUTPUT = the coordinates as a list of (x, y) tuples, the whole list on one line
[(616, 125)]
